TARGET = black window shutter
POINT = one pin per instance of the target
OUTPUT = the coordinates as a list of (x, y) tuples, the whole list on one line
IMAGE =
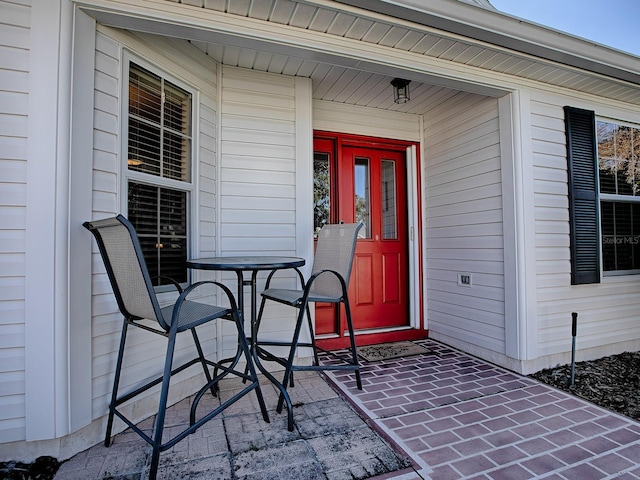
[(583, 195)]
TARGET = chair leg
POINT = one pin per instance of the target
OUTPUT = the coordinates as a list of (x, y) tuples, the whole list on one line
[(116, 383), (313, 337), (352, 340), (162, 405), (256, 329), (289, 367), (313, 345), (203, 361)]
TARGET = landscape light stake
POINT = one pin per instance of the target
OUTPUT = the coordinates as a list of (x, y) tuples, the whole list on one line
[(574, 328)]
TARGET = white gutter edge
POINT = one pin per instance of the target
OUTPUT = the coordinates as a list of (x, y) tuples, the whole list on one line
[(510, 32)]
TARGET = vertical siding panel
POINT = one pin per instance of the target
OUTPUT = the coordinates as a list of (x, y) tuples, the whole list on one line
[(463, 218), (14, 71)]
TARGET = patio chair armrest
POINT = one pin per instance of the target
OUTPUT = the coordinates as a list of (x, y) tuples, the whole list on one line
[(233, 308), (187, 291), (171, 280), (314, 277), (272, 273)]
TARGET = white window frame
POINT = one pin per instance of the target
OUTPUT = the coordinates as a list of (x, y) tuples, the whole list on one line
[(609, 197), (126, 174)]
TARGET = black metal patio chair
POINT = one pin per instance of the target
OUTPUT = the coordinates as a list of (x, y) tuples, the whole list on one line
[(124, 261), (328, 283)]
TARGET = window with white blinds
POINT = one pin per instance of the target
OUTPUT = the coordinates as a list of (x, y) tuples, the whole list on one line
[(159, 156), (619, 179)]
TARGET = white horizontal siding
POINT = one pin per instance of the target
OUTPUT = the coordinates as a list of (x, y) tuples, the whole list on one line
[(207, 175), (357, 120), (257, 163), (105, 202), (258, 178), (145, 353), (463, 219), (607, 312), (106, 137), (14, 71)]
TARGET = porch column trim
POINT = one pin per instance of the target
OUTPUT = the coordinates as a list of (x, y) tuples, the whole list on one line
[(46, 259), (304, 169), (80, 210), (516, 152)]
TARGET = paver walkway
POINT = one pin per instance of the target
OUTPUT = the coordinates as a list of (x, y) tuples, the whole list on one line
[(452, 415), (459, 417), (329, 441)]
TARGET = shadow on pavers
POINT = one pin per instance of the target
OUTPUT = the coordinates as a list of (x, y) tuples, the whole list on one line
[(329, 441)]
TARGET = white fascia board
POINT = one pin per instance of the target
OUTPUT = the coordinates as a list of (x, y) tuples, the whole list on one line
[(510, 32)]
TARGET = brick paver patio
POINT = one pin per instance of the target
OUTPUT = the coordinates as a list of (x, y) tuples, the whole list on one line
[(447, 415), (330, 440), (459, 417)]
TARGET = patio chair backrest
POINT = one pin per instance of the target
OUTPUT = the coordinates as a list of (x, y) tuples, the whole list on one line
[(334, 251), (122, 255)]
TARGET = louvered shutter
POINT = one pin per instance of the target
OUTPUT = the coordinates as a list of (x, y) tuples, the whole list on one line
[(583, 195)]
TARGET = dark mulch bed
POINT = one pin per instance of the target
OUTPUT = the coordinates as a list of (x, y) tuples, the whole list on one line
[(612, 382), (44, 468)]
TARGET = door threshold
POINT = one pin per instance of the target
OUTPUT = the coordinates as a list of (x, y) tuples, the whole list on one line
[(371, 331), (366, 331), (371, 337)]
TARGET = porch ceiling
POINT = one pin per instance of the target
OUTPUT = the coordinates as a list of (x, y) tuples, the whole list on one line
[(333, 82), (339, 76)]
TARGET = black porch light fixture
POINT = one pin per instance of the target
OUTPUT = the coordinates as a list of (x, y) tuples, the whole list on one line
[(400, 90)]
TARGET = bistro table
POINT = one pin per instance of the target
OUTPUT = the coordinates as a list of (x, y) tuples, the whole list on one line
[(253, 264)]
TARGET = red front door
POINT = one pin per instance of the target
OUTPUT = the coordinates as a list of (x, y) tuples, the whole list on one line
[(365, 183), (378, 290)]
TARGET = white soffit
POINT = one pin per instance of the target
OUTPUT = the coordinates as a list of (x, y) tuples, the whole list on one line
[(490, 25), (436, 38)]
